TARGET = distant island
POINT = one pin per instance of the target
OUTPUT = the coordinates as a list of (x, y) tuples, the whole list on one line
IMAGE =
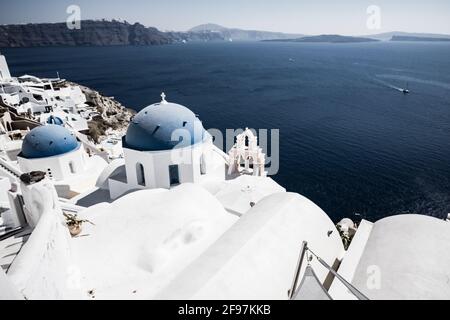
[(327, 38), (387, 36), (121, 33), (410, 38)]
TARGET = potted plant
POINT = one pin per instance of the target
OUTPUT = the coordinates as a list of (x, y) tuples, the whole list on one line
[(74, 223)]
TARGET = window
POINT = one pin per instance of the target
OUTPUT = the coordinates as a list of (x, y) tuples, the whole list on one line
[(202, 165), (72, 167), (174, 175), (140, 174)]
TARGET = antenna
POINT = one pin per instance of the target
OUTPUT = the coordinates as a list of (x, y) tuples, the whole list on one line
[(57, 74)]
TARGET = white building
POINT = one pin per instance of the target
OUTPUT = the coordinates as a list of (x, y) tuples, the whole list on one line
[(55, 150), (71, 120), (34, 96), (166, 145), (403, 257)]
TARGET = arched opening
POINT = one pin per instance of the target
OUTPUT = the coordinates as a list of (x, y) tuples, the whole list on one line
[(247, 141), (248, 164), (140, 174), (251, 161), (72, 167)]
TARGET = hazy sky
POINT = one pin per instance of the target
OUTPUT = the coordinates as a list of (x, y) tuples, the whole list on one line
[(296, 16)]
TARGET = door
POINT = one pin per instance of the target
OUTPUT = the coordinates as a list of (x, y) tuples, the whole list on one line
[(174, 175)]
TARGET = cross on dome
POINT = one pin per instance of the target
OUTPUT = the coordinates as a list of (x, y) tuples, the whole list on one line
[(163, 98)]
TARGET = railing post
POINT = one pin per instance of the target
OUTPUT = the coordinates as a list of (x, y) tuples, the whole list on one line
[(298, 268)]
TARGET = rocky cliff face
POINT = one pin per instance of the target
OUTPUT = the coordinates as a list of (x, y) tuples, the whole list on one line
[(113, 115), (92, 33), (112, 33)]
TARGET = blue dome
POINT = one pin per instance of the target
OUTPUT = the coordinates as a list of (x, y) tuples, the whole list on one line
[(48, 141), (152, 128), (55, 120)]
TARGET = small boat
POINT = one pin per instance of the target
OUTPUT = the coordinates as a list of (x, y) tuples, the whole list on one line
[(405, 91)]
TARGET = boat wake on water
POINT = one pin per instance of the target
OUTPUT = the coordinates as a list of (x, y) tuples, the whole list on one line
[(389, 85)]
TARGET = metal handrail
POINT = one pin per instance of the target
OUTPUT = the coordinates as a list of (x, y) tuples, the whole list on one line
[(304, 248)]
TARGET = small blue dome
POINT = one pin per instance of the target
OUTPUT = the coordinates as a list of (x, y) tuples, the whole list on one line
[(48, 141), (55, 120), (152, 128)]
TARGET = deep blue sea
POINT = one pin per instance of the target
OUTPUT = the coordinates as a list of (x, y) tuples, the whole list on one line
[(350, 141)]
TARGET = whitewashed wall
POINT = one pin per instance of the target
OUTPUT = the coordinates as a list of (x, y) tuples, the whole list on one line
[(7, 290), (43, 269), (59, 165)]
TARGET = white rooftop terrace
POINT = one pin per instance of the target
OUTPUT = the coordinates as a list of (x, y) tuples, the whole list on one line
[(403, 257)]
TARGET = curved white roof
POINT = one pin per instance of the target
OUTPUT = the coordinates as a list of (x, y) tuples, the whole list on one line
[(140, 242), (239, 194), (406, 257), (256, 258)]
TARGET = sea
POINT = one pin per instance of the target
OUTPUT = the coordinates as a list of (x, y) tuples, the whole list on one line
[(349, 139)]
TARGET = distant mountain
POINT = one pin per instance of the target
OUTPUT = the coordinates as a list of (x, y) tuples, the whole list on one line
[(387, 36), (408, 38), (328, 38), (240, 34), (92, 33), (208, 27)]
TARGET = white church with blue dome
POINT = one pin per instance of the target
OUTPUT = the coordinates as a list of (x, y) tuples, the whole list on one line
[(55, 150), (166, 145), (52, 149)]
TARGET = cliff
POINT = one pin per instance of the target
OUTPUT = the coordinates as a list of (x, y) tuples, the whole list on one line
[(113, 115), (115, 33), (91, 33)]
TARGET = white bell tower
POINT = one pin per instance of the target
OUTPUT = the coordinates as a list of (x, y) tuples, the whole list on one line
[(246, 149)]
